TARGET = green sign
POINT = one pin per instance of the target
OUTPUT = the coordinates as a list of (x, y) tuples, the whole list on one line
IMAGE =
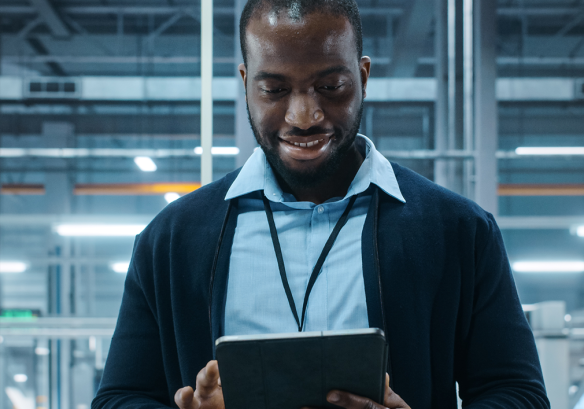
[(19, 314)]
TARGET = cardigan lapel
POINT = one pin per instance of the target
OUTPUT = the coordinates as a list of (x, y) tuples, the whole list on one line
[(370, 260), (220, 273)]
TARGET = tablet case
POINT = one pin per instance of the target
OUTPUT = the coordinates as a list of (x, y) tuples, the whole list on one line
[(289, 371)]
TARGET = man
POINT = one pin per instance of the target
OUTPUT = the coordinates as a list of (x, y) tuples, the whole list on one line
[(425, 265)]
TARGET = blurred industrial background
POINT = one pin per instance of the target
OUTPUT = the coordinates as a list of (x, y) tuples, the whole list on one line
[(100, 127)]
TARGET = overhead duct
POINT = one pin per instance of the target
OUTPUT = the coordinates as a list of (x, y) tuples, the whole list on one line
[(13, 88)]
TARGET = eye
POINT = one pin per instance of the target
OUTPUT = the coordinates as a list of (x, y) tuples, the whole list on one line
[(331, 87), (273, 90)]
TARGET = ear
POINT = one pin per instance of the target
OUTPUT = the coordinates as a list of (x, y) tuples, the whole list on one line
[(243, 72), (365, 70)]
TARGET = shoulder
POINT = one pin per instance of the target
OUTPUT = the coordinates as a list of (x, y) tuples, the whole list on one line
[(203, 207), (434, 205)]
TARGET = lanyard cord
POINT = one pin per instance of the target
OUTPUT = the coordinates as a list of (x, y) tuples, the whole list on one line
[(319, 263)]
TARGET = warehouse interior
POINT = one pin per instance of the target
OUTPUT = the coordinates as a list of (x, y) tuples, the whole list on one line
[(102, 124)]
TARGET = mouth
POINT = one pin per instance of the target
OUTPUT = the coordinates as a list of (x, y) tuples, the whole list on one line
[(305, 144), (305, 148)]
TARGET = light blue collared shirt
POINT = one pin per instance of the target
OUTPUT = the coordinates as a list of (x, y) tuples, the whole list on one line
[(256, 300)]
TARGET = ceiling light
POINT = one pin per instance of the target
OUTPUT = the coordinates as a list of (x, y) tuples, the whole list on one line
[(12, 267), (20, 377), (121, 268), (580, 231), (171, 197), (42, 351), (145, 164), (103, 230), (220, 150), (549, 266), (92, 343), (550, 150)]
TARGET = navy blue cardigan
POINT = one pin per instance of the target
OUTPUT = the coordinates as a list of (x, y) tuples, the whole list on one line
[(437, 280)]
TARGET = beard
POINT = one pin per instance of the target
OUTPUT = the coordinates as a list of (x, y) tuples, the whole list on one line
[(309, 177)]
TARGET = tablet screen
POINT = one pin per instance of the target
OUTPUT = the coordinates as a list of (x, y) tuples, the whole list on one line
[(282, 371)]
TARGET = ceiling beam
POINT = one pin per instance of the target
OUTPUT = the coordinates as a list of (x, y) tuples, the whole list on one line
[(31, 25), (505, 11), (164, 26), (37, 45), (135, 10), (51, 18), (536, 11), (178, 59)]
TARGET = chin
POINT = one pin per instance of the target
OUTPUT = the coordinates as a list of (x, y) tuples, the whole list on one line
[(304, 177)]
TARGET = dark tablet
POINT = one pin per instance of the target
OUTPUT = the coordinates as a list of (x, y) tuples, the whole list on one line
[(289, 371)]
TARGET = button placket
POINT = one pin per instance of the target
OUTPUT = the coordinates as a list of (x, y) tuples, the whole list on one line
[(317, 311)]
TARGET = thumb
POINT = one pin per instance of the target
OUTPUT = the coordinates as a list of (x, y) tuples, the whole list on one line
[(392, 399)]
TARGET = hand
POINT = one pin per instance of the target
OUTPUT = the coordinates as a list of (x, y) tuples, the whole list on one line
[(346, 400), (207, 394)]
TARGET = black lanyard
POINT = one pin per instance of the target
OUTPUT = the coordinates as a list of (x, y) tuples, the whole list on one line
[(319, 263)]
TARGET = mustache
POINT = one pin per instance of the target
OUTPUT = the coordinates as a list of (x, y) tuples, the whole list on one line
[(315, 130)]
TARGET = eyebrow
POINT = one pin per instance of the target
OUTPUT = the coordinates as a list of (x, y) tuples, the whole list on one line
[(263, 75), (338, 69)]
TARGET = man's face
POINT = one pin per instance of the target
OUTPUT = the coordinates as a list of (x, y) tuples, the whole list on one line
[(305, 88)]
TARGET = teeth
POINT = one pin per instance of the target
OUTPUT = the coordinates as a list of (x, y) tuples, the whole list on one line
[(307, 144)]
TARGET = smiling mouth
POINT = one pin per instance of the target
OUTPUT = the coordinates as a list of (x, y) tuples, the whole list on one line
[(305, 145)]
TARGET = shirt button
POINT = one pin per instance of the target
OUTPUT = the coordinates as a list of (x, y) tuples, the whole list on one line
[(320, 209)]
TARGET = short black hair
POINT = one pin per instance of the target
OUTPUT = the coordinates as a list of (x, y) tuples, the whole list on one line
[(344, 8)]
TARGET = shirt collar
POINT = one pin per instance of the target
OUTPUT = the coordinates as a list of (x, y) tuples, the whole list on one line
[(257, 174)]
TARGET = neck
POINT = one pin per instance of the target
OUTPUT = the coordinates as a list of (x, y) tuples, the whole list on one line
[(336, 185)]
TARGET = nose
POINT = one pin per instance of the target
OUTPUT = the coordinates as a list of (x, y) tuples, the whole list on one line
[(304, 111)]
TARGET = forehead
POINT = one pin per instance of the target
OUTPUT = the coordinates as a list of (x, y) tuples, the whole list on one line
[(285, 41)]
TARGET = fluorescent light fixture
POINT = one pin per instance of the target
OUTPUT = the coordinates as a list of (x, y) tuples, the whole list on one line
[(12, 267), (20, 377), (551, 150), (42, 351), (121, 268), (145, 163), (95, 230), (171, 197), (99, 230), (549, 266), (219, 150), (580, 231)]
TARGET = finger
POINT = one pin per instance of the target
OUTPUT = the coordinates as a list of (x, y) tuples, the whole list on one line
[(392, 399), (207, 380), (388, 390), (184, 397), (349, 401)]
